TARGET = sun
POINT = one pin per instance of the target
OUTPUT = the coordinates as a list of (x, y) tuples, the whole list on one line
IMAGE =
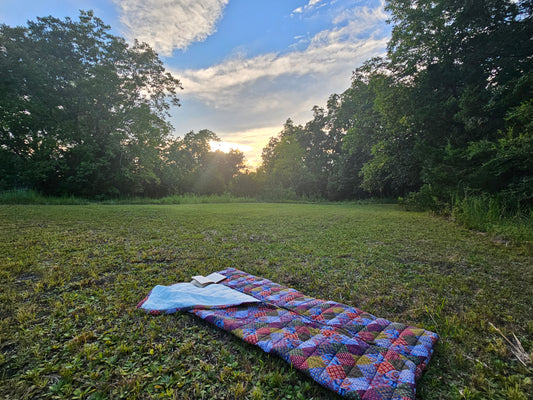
[(226, 147)]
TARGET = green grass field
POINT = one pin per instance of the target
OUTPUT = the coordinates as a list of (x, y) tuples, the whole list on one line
[(71, 277)]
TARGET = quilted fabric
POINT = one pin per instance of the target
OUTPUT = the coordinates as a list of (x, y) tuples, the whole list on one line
[(351, 352)]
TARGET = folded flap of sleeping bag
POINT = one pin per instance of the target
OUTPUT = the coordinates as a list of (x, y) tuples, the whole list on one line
[(351, 352), (184, 296)]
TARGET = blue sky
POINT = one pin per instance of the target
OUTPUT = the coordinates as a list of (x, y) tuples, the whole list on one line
[(246, 65)]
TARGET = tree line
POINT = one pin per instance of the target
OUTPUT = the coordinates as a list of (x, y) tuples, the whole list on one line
[(447, 112)]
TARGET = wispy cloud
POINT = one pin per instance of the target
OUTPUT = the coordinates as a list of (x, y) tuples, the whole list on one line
[(335, 51), (308, 7), (170, 24)]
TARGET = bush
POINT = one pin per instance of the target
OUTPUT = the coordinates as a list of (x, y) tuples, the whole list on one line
[(28, 196), (423, 200), (278, 193)]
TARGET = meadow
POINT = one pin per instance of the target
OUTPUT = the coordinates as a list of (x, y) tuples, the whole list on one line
[(72, 275)]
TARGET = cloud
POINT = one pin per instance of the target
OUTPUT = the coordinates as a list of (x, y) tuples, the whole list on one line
[(365, 13), (170, 24), (330, 52), (312, 4)]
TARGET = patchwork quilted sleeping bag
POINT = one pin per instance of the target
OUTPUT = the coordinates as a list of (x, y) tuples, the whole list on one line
[(343, 348)]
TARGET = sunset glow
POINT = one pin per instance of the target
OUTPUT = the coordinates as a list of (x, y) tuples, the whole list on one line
[(226, 147)]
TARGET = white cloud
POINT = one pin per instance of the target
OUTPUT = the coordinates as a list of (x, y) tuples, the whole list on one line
[(330, 52), (308, 7), (170, 24), (368, 14), (313, 3)]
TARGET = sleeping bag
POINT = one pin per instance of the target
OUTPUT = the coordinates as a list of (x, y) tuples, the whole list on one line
[(353, 353)]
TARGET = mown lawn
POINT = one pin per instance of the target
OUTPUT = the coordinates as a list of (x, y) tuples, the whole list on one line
[(71, 277)]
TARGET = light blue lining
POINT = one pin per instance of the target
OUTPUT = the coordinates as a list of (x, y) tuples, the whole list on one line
[(184, 296)]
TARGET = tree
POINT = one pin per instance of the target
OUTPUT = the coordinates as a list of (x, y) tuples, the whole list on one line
[(284, 159), (82, 112), (466, 64), (218, 172), (379, 138), (189, 165), (321, 148), (465, 58), (248, 184), (489, 40)]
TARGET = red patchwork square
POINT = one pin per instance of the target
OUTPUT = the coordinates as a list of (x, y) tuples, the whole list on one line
[(346, 359), (385, 367), (336, 372)]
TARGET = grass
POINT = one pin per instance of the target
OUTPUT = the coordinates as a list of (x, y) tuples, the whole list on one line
[(72, 275), (28, 196), (496, 217)]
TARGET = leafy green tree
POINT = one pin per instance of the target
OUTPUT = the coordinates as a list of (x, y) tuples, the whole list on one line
[(183, 160), (284, 159), (321, 150), (379, 137), (465, 55), (218, 172), (488, 40), (347, 152), (366, 126), (189, 165), (82, 112), (248, 184)]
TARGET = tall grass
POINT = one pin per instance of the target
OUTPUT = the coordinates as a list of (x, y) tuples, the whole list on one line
[(28, 196), (188, 198), (494, 215), (497, 214)]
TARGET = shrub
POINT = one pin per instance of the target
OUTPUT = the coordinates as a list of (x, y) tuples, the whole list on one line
[(423, 200)]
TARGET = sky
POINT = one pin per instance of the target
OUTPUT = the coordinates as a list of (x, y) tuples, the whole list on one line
[(246, 66)]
